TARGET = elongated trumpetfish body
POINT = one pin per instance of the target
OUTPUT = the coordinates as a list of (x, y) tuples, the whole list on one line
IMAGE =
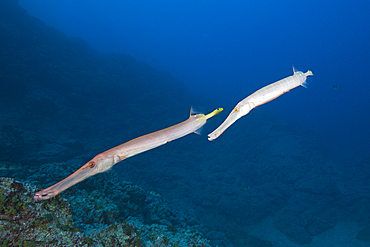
[(261, 97), (106, 160)]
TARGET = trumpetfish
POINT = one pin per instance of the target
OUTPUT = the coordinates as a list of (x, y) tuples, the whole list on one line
[(106, 160), (260, 97)]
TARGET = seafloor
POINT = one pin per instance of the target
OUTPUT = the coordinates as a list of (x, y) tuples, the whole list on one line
[(263, 183)]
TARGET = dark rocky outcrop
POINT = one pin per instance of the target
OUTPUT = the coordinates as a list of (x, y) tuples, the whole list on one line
[(59, 98)]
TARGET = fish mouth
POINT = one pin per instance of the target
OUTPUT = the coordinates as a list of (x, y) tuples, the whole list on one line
[(76, 177), (226, 124), (44, 195)]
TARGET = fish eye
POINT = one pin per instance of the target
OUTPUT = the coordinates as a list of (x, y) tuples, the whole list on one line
[(92, 164), (236, 109)]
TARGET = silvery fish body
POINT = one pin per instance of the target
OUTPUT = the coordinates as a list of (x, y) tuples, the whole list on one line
[(261, 97)]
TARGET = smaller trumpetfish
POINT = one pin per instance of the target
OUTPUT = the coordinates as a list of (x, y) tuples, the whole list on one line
[(261, 97), (154, 193), (8, 166)]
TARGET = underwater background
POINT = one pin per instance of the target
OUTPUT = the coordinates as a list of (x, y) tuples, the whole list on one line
[(80, 77)]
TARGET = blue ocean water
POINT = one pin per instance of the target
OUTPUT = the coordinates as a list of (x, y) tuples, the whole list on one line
[(225, 51), (302, 152)]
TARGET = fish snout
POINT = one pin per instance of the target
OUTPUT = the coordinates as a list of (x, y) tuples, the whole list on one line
[(44, 195)]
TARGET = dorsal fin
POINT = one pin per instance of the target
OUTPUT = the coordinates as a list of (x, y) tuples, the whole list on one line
[(193, 111), (294, 70)]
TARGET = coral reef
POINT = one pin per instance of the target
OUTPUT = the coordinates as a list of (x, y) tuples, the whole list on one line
[(26, 223), (111, 213), (160, 235), (106, 199)]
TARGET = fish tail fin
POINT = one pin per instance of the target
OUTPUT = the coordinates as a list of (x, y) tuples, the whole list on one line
[(308, 80), (214, 113), (308, 73)]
